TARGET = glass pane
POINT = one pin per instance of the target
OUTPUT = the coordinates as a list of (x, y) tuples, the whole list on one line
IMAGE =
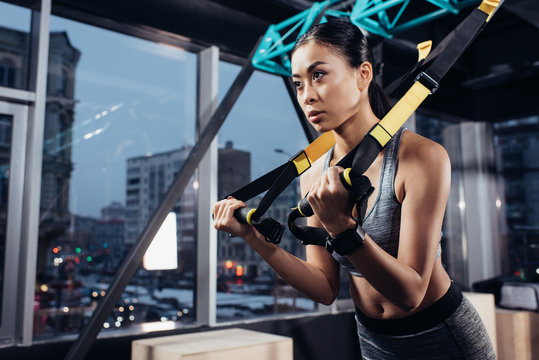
[(517, 164), (454, 257), (6, 122), (14, 45), (119, 123), (261, 133)]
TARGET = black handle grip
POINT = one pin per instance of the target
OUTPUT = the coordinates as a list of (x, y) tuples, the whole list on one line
[(305, 208), (242, 214)]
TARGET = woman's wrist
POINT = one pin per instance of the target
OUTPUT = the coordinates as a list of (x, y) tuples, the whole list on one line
[(259, 244), (340, 226)]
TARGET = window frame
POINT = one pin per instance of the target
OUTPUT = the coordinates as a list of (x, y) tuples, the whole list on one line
[(19, 114)]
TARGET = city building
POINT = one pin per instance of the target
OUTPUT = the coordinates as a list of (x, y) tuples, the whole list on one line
[(148, 178)]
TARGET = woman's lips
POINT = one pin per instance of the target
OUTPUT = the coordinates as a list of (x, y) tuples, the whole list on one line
[(315, 116)]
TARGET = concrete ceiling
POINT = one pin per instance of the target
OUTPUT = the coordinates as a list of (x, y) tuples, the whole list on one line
[(496, 79)]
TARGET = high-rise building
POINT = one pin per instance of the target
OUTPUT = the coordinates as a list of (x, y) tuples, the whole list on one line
[(148, 178), (234, 169)]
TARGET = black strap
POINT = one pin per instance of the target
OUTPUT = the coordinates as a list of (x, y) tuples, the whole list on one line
[(459, 40), (258, 186), (452, 46)]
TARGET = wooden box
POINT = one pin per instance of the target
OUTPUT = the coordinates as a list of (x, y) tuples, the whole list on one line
[(518, 334), (236, 344)]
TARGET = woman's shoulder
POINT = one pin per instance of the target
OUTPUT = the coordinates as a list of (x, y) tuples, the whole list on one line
[(415, 148), (422, 162)]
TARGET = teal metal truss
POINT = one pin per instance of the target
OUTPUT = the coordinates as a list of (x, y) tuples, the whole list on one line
[(380, 17)]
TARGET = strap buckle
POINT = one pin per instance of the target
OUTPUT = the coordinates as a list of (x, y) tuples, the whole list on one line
[(301, 161), (428, 82)]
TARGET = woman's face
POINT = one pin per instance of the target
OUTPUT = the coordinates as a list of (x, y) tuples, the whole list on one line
[(327, 86)]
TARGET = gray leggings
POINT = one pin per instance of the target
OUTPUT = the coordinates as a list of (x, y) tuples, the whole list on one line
[(461, 335)]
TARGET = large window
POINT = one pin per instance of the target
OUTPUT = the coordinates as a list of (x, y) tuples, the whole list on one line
[(261, 133), (120, 121), (517, 168)]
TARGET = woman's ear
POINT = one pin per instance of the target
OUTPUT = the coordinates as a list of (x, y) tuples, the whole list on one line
[(364, 75)]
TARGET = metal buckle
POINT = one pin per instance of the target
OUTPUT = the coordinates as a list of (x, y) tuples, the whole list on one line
[(428, 82)]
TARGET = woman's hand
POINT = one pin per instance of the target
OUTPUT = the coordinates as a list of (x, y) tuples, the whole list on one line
[(330, 202), (224, 220)]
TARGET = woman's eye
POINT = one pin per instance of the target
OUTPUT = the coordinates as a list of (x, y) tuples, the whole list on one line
[(297, 83), (317, 75)]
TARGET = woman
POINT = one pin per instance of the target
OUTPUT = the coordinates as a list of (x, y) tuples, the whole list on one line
[(406, 304)]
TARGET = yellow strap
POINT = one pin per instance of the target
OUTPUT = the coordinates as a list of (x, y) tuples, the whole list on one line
[(302, 163), (403, 109), (317, 148), (423, 49), (381, 135), (488, 7), (320, 146)]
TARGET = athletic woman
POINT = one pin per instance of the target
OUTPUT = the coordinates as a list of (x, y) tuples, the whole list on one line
[(406, 305)]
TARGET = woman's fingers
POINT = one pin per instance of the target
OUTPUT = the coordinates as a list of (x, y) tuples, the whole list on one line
[(328, 185), (224, 219), (232, 207), (329, 198), (220, 207), (334, 178)]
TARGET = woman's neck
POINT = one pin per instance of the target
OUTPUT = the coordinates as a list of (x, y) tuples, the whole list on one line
[(352, 131)]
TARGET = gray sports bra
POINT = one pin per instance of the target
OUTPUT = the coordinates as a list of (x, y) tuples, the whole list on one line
[(382, 222)]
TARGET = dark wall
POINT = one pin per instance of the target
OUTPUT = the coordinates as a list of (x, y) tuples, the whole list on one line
[(324, 337)]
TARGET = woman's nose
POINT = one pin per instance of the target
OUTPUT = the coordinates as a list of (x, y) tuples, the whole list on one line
[(309, 96)]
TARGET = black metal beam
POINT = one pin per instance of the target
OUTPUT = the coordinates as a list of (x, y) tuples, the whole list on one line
[(87, 336), (310, 132)]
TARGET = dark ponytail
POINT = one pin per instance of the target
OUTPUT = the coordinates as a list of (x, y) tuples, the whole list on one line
[(349, 42), (378, 100)]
